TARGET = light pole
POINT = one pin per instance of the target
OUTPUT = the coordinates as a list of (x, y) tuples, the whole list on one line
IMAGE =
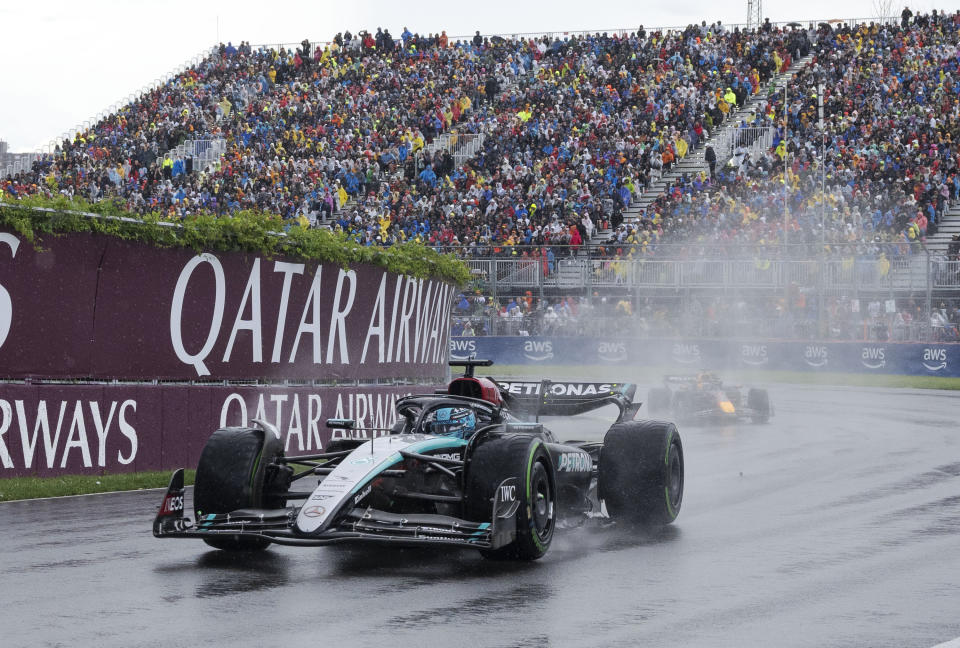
[(786, 208), (823, 166), (823, 207)]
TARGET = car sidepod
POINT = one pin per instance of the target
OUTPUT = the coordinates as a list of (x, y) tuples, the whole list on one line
[(574, 469)]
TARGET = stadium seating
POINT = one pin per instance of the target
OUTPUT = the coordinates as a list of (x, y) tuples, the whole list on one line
[(565, 135), (890, 115)]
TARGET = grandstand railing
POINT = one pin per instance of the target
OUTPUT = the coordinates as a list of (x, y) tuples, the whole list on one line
[(732, 142), (917, 273), (203, 151), (23, 162), (881, 327), (132, 97), (622, 32), (680, 251), (466, 146), (461, 146)]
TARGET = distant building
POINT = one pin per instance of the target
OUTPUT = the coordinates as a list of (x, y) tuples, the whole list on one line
[(9, 161)]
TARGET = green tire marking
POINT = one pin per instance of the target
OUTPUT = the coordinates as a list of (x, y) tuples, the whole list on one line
[(533, 532)]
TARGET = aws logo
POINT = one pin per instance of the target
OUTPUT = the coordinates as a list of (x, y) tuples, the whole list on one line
[(612, 351), (873, 357), (815, 356), (537, 350), (462, 349), (754, 354), (934, 359), (686, 353)]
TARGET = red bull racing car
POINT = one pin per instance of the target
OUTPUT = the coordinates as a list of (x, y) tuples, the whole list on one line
[(704, 397), (470, 467)]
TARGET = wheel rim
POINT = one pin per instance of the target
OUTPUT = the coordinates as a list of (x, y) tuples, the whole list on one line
[(675, 477), (542, 504)]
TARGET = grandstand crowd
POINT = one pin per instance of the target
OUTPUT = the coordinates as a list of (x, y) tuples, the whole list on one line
[(574, 130), (886, 158)]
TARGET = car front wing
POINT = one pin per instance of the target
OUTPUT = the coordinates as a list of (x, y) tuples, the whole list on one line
[(353, 525)]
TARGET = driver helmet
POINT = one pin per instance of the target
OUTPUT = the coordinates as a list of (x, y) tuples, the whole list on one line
[(454, 421)]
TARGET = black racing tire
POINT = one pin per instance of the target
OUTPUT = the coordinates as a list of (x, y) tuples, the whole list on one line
[(641, 472), (658, 401), (758, 400), (231, 475), (526, 458)]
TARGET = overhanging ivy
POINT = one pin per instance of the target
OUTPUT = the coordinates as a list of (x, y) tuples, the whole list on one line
[(245, 231)]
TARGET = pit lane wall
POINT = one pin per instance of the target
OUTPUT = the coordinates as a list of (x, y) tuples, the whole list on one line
[(119, 356), (912, 359)]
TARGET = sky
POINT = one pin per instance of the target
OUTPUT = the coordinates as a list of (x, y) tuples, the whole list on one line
[(69, 61)]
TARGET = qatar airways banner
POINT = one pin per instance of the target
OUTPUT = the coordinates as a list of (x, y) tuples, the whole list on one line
[(89, 306), (49, 430), (904, 358)]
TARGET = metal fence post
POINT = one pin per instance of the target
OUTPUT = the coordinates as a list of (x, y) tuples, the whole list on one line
[(821, 327), (585, 275), (929, 300), (540, 276)]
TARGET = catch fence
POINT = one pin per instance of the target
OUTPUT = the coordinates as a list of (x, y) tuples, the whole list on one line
[(908, 298)]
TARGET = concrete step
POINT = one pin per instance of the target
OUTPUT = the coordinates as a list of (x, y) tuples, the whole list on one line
[(693, 161)]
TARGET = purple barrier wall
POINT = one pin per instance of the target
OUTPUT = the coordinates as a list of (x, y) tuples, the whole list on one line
[(95, 306), (48, 430)]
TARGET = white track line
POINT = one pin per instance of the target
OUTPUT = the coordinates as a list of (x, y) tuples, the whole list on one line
[(953, 643)]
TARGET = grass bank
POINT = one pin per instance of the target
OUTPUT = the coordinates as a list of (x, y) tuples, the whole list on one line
[(18, 488), (654, 374)]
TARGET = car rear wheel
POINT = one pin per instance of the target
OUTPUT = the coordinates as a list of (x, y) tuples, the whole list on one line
[(234, 473), (641, 472), (758, 400), (526, 459)]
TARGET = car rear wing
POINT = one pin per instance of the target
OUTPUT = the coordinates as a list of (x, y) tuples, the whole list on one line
[(704, 378), (549, 398)]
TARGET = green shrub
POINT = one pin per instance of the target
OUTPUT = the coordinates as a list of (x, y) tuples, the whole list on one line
[(245, 231)]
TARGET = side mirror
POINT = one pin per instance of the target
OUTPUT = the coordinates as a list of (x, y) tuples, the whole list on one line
[(341, 424)]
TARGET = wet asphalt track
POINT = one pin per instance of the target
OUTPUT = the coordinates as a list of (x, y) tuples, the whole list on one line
[(838, 524)]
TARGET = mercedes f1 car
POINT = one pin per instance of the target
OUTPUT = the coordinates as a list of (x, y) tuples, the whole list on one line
[(704, 397), (470, 466)]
